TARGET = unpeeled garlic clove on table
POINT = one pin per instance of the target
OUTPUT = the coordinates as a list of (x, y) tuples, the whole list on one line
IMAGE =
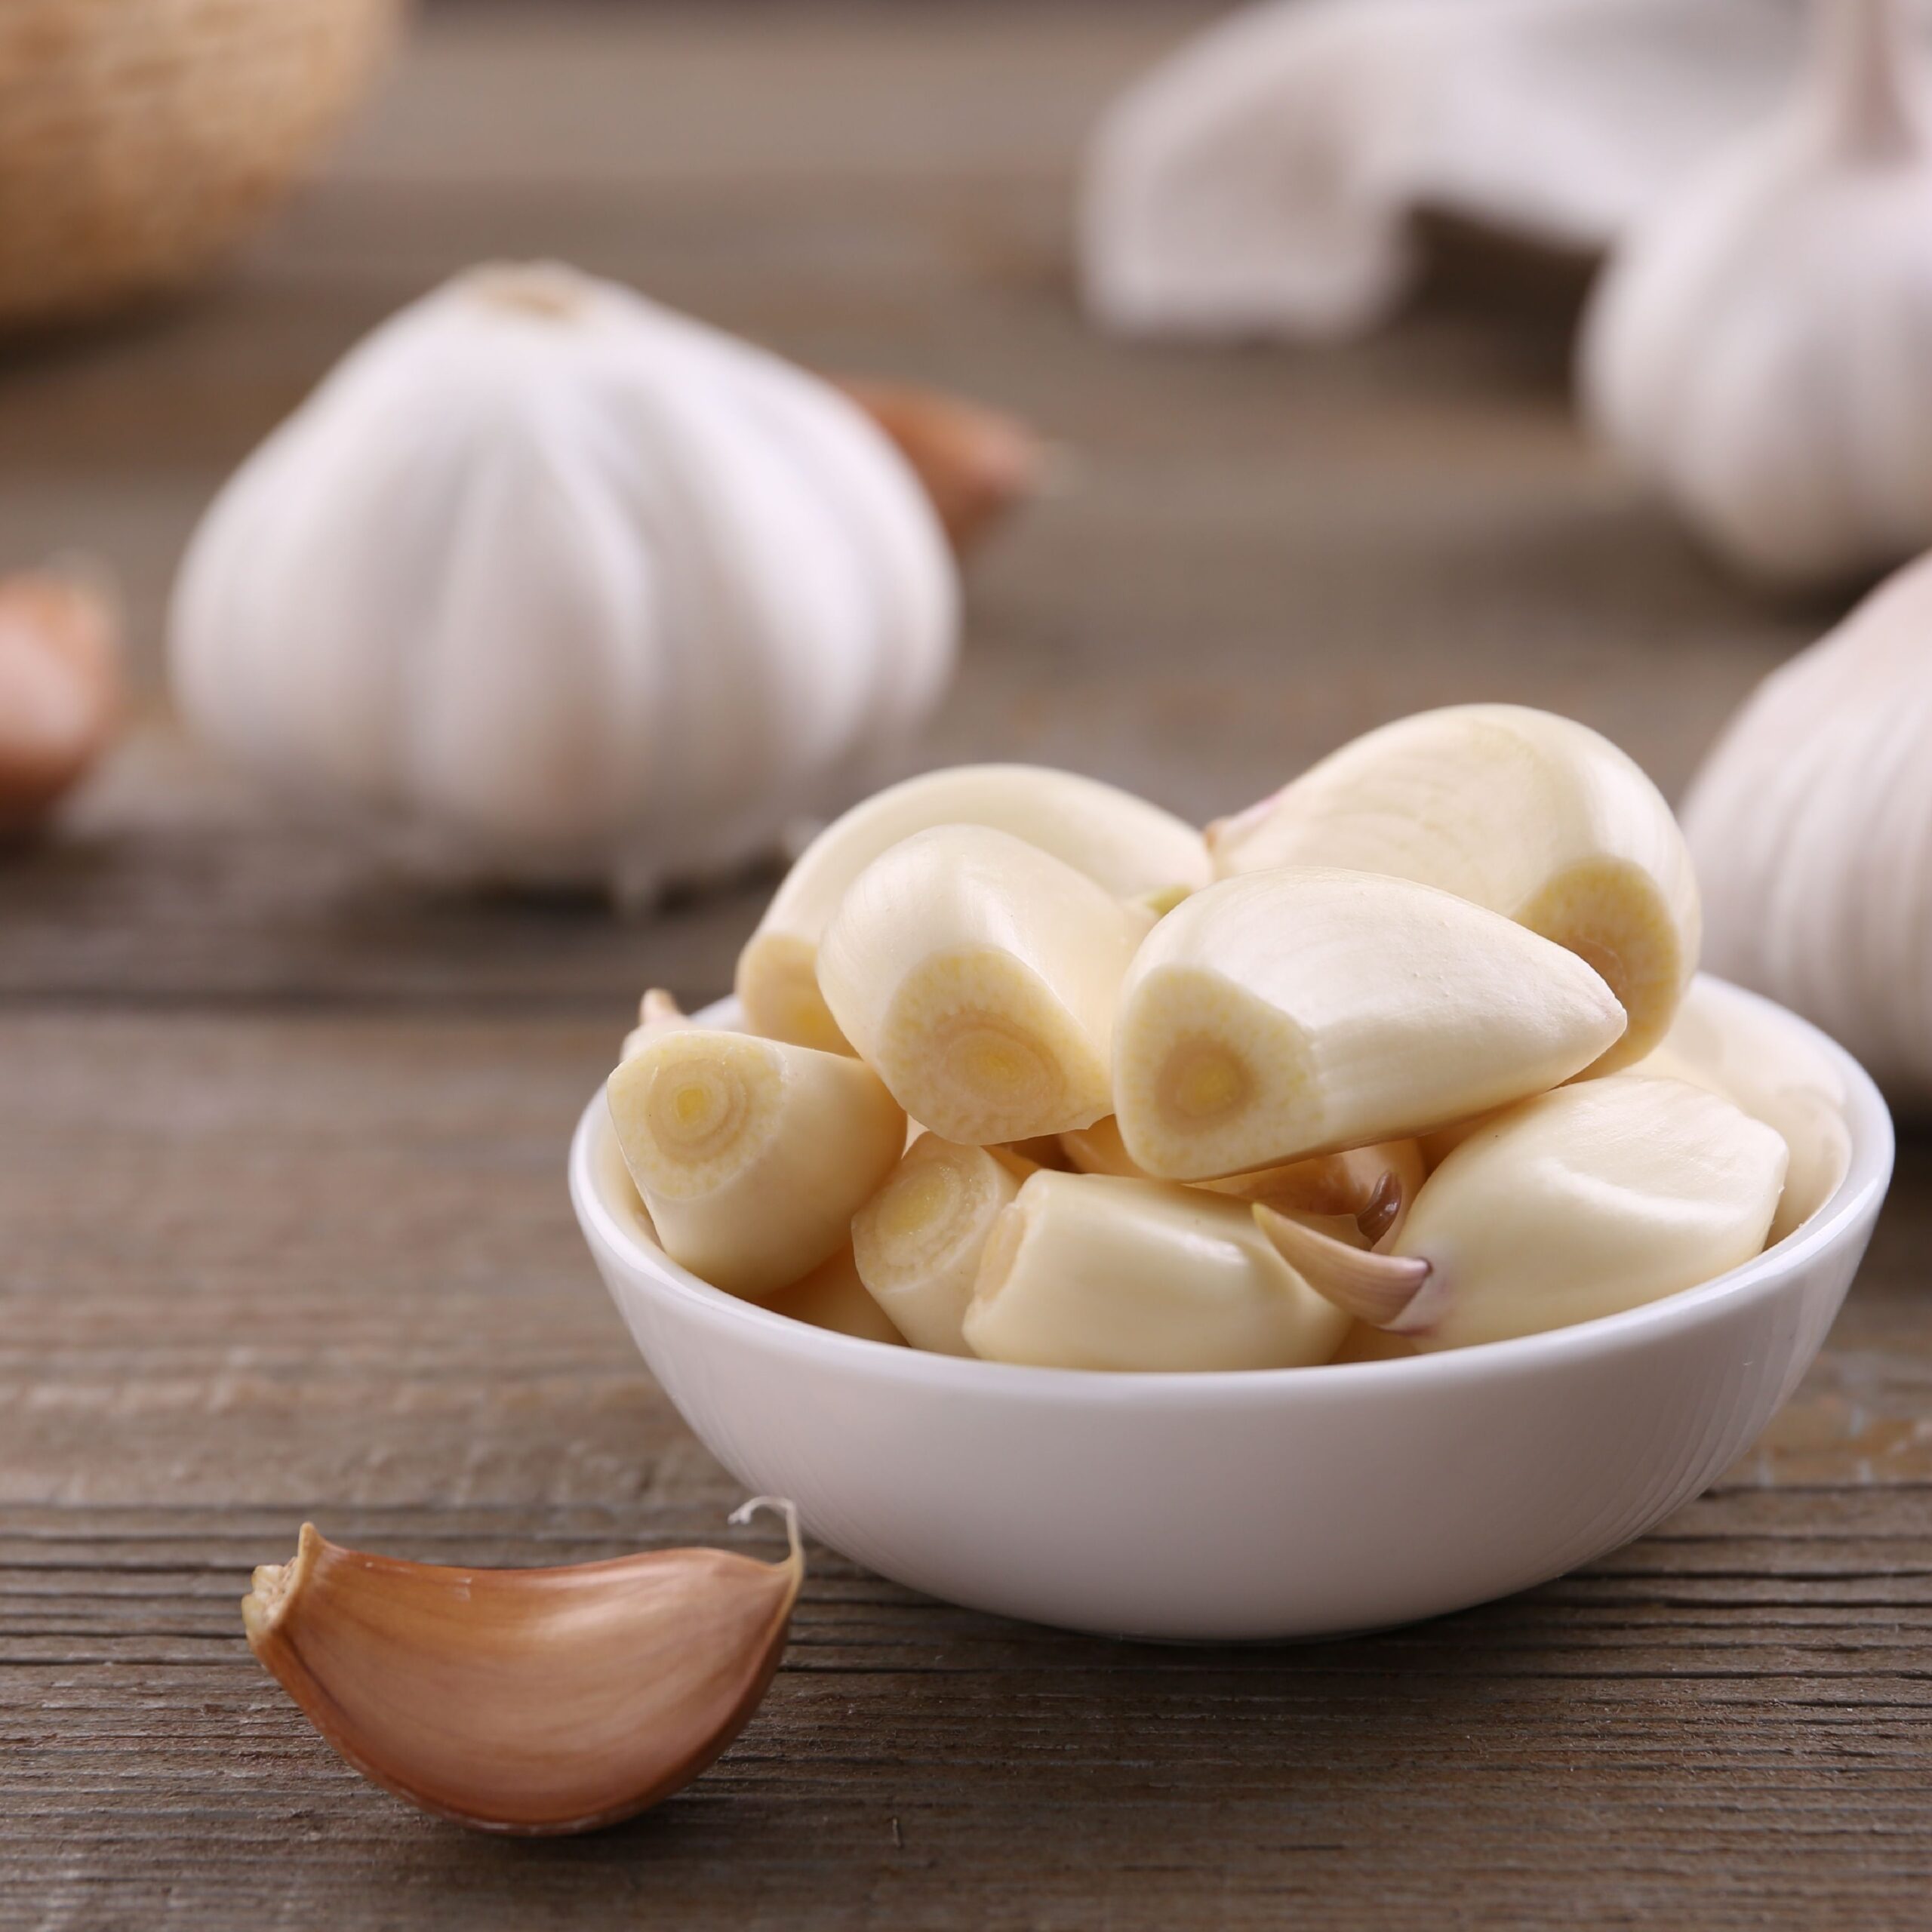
[(978, 974), (1759, 349), (1286, 1013), (60, 694), (1583, 1202), (526, 1701), (918, 1241), (1535, 816), (1128, 847), (977, 464), (752, 1155), (1090, 1271)]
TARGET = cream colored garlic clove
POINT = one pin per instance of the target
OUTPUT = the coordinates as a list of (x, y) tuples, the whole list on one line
[(1761, 349), (1584, 1202), (60, 695), (977, 464), (918, 1241), (834, 1295), (1811, 820), (526, 1701), (978, 974), (1290, 1013), (658, 1013), (1533, 816), (1089, 1271), (752, 1155), (1125, 845)]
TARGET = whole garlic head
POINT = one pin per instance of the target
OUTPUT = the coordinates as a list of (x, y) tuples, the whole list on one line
[(1761, 350), (549, 582), (1810, 824)]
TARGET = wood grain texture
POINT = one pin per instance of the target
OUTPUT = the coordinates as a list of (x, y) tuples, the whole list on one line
[(283, 1229)]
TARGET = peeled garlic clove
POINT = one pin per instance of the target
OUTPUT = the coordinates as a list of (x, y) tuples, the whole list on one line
[(657, 1013), (834, 1295), (525, 1701), (752, 1155), (1125, 845), (1533, 816), (1581, 1203), (1088, 1270), (978, 974), (60, 689), (976, 464), (1286, 1013), (918, 1241)]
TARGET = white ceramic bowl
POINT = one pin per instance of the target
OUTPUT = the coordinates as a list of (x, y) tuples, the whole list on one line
[(1268, 1503)]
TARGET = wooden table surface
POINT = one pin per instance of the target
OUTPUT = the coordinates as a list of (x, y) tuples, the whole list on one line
[(283, 1230)]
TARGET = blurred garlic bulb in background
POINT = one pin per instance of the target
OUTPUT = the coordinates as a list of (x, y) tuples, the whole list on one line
[(1261, 180), (1810, 824), (549, 583), (1761, 351)]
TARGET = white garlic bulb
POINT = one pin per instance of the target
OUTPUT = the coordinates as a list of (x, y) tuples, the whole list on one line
[(1263, 179), (1761, 351), (551, 583), (1810, 825)]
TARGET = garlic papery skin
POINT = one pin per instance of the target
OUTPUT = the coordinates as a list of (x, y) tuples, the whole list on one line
[(1090, 1271), (1532, 815), (1304, 1010), (1128, 847), (1812, 822), (1365, 1192), (525, 1701), (61, 689), (1584, 1202), (1760, 351), (752, 1155), (918, 1241), (978, 974), (834, 1295), (546, 582)]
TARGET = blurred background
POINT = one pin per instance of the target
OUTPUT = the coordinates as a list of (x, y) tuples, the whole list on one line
[(1243, 552)]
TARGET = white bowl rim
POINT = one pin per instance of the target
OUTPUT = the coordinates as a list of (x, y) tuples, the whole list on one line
[(1867, 1174)]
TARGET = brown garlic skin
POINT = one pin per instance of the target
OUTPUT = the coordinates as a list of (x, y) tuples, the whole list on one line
[(60, 692), (976, 464), (527, 1701)]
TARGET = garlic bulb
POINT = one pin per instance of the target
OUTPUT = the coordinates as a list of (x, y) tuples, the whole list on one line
[(1811, 826), (1762, 351), (549, 582), (1262, 180)]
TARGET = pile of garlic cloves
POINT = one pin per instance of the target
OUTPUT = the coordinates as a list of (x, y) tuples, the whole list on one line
[(1036, 1073)]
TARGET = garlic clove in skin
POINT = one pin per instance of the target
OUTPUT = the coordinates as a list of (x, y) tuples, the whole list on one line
[(978, 974), (530, 1701), (977, 464), (918, 1242), (834, 1295), (1090, 1271), (1533, 816), (1761, 349), (1128, 847), (1299, 1011), (1583, 1202), (60, 695), (752, 1155), (547, 583)]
